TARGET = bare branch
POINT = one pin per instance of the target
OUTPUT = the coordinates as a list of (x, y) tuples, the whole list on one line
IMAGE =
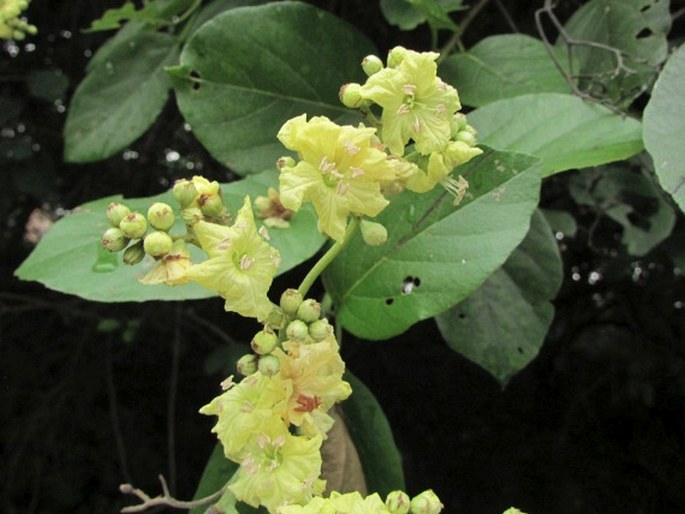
[(165, 499)]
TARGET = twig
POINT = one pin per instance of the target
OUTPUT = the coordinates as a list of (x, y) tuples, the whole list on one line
[(114, 413), (210, 326), (507, 16), (455, 38), (165, 499), (171, 402)]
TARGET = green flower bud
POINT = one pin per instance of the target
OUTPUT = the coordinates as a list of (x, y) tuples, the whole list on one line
[(467, 137), (350, 95), (184, 192), (211, 205), (372, 64), (297, 330), (114, 240), (134, 254), (285, 162), (275, 319), (309, 310), (134, 225), (191, 215), (426, 503), (397, 502), (374, 234), (320, 329), (116, 212), (158, 243), (458, 123), (247, 364), (264, 342), (161, 216), (396, 56), (269, 365), (290, 301)]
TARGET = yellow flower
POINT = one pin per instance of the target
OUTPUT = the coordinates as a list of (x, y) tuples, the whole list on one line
[(170, 269), (246, 410), (340, 171), (349, 503), (241, 265), (416, 104), (313, 374), (281, 468)]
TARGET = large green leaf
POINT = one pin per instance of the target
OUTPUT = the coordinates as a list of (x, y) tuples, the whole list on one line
[(409, 14), (503, 324), (120, 97), (631, 199), (69, 258), (436, 254), (247, 71), (635, 28), (372, 437), (563, 130), (503, 66), (664, 127)]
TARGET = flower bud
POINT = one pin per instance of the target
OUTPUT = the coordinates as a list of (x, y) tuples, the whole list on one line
[(297, 330), (211, 205), (184, 192), (465, 136), (247, 364), (396, 56), (275, 319), (116, 212), (309, 310), (426, 503), (158, 243), (161, 216), (134, 254), (133, 225), (397, 502), (191, 215), (320, 329), (374, 234), (285, 162), (264, 342), (372, 64), (114, 240), (350, 95), (458, 123), (269, 365), (290, 301)]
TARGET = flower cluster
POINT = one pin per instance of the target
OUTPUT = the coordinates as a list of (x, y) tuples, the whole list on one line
[(397, 502), (274, 421), (12, 26)]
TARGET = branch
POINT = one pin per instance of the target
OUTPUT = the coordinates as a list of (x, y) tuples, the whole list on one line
[(165, 499)]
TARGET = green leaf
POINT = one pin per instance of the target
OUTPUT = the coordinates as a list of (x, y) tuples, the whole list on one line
[(563, 130), (561, 222), (120, 97), (436, 254), (48, 85), (69, 258), (407, 14), (153, 12), (216, 7), (635, 28), (249, 70), (503, 324), (372, 437), (629, 198), (664, 127), (503, 66)]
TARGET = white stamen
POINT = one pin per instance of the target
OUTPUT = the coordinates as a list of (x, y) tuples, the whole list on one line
[(409, 89), (337, 174), (224, 244), (416, 126), (325, 166), (441, 109), (263, 440), (264, 233), (357, 172), (403, 109), (342, 188), (227, 384), (246, 262), (351, 148)]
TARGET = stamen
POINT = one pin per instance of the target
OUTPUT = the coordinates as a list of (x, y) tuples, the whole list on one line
[(409, 89), (227, 384), (456, 187), (325, 166), (416, 126), (337, 174), (224, 244), (351, 148), (441, 109), (357, 172), (264, 233), (342, 188), (246, 262), (403, 109), (263, 440)]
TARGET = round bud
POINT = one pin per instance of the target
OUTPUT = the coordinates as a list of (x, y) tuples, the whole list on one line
[(320, 329), (269, 365), (275, 319), (211, 205), (297, 330), (114, 240), (285, 162), (116, 212), (134, 254), (290, 301), (264, 342), (397, 502), (247, 364), (458, 123), (158, 243), (372, 64), (350, 95), (191, 215), (467, 137), (426, 503), (374, 234), (133, 225), (396, 56), (161, 216), (184, 192), (309, 310)]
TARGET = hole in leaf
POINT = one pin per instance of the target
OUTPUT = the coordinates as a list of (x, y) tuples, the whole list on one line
[(409, 283), (520, 350), (461, 315), (195, 76), (388, 301), (644, 33)]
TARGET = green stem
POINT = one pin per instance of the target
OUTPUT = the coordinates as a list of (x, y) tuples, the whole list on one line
[(327, 258)]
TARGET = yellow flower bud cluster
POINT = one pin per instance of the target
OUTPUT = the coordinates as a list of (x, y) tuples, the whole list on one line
[(12, 26), (274, 421)]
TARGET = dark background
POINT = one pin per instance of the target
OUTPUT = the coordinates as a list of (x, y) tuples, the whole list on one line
[(92, 395)]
